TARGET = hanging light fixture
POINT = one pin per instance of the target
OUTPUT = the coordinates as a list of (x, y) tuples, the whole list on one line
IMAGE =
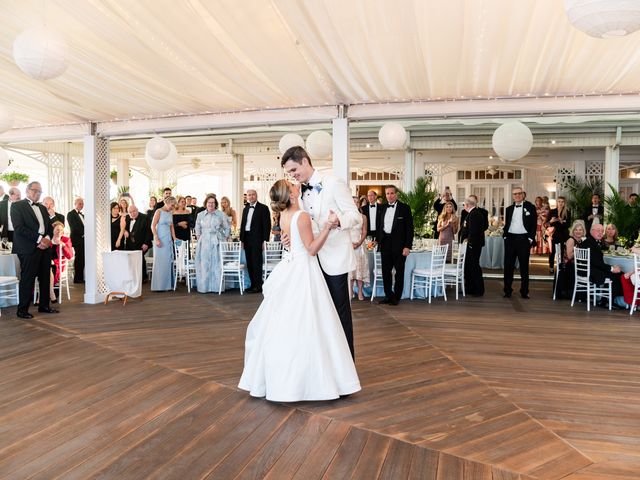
[(604, 18), (392, 136), (162, 164), (41, 53), (319, 144), (289, 140), (512, 141)]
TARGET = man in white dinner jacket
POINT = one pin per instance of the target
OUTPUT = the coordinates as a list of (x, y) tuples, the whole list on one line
[(322, 195)]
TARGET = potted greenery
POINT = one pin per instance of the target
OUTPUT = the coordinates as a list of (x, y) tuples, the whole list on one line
[(114, 176), (14, 178), (420, 199), (625, 216), (579, 193)]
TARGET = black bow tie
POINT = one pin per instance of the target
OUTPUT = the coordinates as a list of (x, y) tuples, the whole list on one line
[(372, 206), (391, 205), (518, 206), (305, 187), (35, 204), (252, 206)]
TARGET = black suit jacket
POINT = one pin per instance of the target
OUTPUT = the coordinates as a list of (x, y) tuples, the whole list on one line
[(58, 217), (4, 217), (401, 235), (588, 212), (529, 221), (26, 227), (366, 211), (76, 226), (561, 232), (260, 224), (140, 234), (599, 269), (474, 225)]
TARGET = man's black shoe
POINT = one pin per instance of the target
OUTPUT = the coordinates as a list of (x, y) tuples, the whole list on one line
[(524, 295), (24, 315), (393, 302), (48, 310), (506, 295), (384, 301)]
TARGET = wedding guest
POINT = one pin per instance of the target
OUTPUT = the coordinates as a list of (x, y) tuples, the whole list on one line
[(361, 273), (566, 274), (59, 244), (117, 227), (254, 231), (558, 227), (166, 193), (3, 196), (610, 238), (212, 227), (137, 232), (438, 206), (76, 225), (541, 218), (182, 221), (475, 222), (372, 211), (31, 241), (6, 225), (633, 199), (187, 199), (519, 236), (153, 201), (395, 239), (600, 271), (447, 227), (595, 213), (54, 216), (225, 207), (464, 212), (163, 237), (124, 203)]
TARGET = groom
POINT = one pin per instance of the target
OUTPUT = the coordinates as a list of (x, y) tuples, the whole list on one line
[(323, 194)]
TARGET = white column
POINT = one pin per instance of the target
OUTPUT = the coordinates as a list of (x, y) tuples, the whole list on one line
[(96, 218), (341, 145), (409, 170), (123, 172), (237, 183), (611, 169)]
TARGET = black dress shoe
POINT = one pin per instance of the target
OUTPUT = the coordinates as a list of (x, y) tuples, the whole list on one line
[(384, 301), (524, 295), (24, 315), (393, 302), (506, 295), (48, 310)]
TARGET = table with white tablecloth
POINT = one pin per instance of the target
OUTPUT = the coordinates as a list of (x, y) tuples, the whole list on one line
[(492, 255), (625, 262), (123, 272), (9, 267)]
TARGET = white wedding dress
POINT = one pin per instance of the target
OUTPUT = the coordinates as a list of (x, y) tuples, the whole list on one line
[(295, 347)]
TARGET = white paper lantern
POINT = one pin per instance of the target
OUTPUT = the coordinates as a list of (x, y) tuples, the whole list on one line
[(319, 144), (162, 164), (41, 53), (4, 160), (604, 18), (392, 136), (512, 140), (6, 119), (289, 140), (158, 147)]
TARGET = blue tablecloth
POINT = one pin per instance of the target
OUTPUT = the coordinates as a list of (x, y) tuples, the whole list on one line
[(492, 255), (625, 263), (9, 267)]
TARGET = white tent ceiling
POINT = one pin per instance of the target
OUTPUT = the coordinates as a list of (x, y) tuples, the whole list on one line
[(156, 58)]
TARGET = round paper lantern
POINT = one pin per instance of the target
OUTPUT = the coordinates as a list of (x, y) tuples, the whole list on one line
[(289, 140), (4, 160), (512, 140), (604, 18), (6, 119), (392, 136), (319, 144), (158, 147), (165, 163), (41, 53)]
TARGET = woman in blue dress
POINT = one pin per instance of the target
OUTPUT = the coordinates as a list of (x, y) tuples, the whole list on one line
[(212, 227), (163, 238)]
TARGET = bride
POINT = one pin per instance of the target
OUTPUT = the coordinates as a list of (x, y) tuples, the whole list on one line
[(295, 347)]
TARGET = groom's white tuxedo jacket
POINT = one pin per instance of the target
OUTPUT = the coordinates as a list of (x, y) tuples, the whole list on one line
[(332, 194)]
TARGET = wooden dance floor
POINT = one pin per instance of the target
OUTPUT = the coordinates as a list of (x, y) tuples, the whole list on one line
[(482, 388)]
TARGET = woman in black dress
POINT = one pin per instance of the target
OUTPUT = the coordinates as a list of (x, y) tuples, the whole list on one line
[(182, 220), (117, 227)]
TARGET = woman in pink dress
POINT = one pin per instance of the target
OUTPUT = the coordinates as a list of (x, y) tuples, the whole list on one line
[(448, 226), (59, 243), (542, 212)]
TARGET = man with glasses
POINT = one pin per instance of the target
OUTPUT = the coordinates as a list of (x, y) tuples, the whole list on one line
[(519, 235), (31, 241)]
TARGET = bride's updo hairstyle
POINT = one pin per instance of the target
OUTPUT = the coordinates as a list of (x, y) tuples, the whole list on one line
[(280, 196)]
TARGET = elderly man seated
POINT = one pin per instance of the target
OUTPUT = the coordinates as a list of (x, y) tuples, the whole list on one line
[(600, 271)]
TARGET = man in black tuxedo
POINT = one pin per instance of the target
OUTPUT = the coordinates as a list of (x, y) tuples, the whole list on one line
[(54, 216), (76, 226), (6, 225), (165, 194), (372, 211), (31, 241), (593, 214), (395, 238), (3, 196), (475, 222), (600, 271), (137, 235), (254, 231), (519, 234)]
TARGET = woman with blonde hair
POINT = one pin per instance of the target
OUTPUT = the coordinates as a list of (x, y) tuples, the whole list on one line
[(163, 237), (225, 206), (448, 226)]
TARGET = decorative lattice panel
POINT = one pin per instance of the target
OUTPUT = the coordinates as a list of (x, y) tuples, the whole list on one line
[(563, 175), (399, 173), (437, 171), (77, 176), (594, 170), (56, 183), (101, 195)]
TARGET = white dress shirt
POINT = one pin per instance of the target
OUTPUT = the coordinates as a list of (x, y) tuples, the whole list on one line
[(373, 210), (9, 222), (252, 209), (36, 210), (310, 195), (388, 218), (517, 223)]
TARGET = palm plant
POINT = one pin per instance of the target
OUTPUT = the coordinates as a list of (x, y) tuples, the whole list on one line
[(624, 216), (579, 193), (420, 200)]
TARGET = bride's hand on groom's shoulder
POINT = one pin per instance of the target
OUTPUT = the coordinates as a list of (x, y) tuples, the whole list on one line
[(333, 219)]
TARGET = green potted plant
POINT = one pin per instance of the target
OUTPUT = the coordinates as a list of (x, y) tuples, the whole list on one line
[(114, 176), (420, 199), (14, 178), (579, 193), (624, 216)]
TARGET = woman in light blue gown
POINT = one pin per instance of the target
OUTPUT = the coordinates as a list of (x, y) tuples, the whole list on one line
[(212, 227), (163, 238)]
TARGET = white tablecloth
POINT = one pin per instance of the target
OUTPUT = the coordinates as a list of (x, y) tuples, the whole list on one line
[(10, 267), (123, 271)]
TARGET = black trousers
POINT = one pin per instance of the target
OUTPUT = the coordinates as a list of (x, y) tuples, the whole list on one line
[(392, 258), (516, 246), (339, 290), (78, 262), (32, 265), (253, 254), (473, 281)]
